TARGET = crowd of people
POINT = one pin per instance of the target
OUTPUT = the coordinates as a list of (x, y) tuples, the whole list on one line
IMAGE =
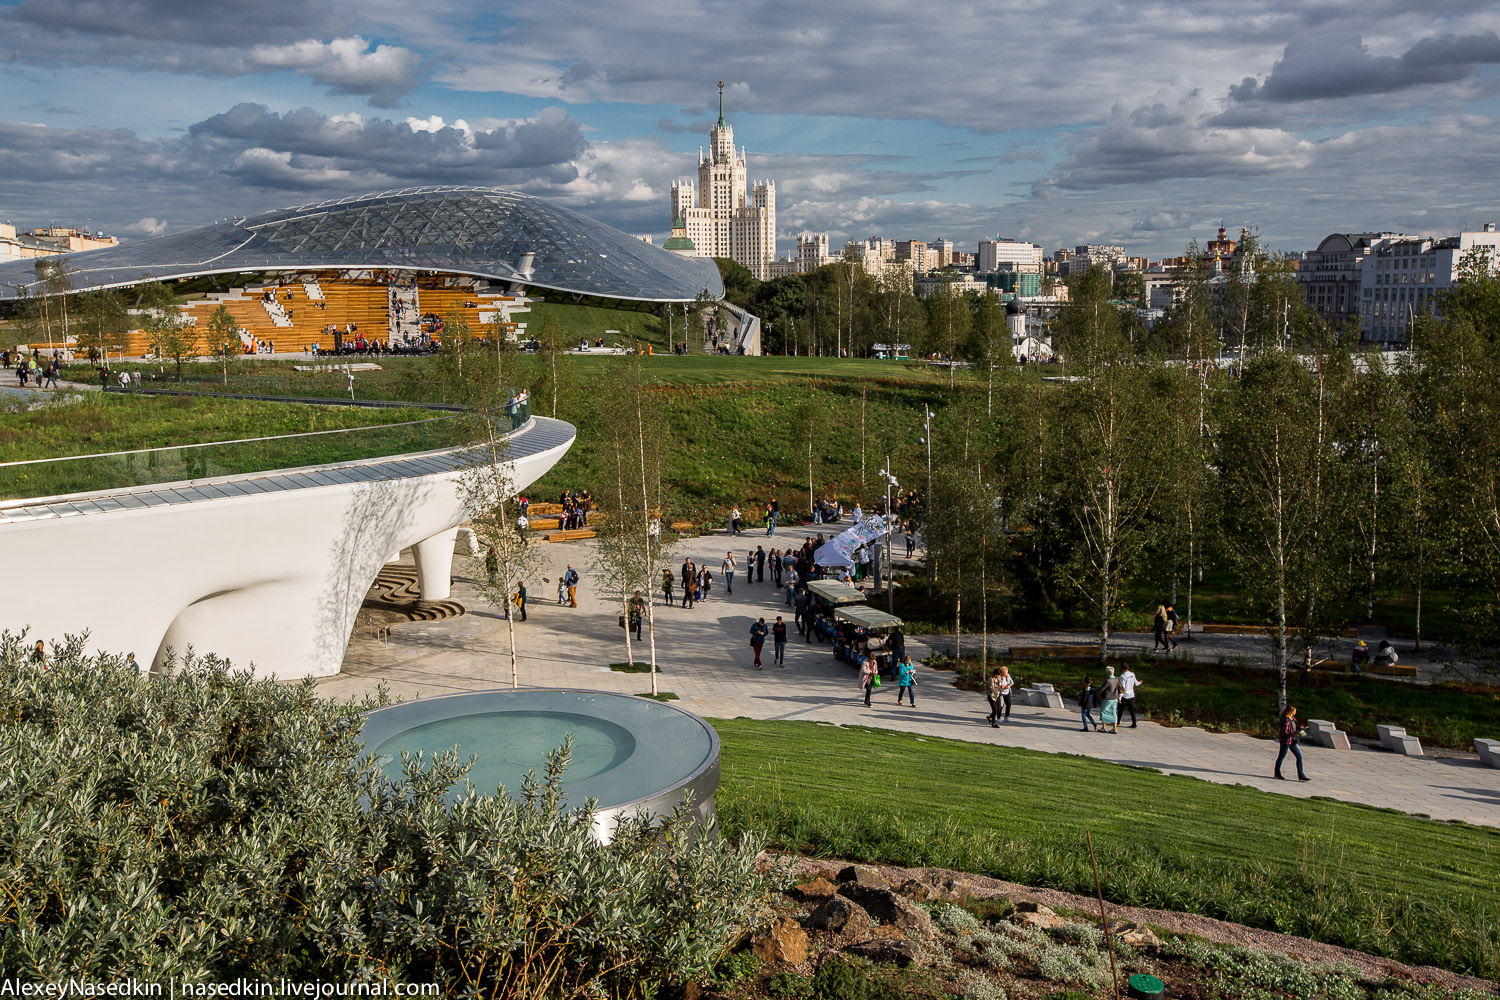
[(33, 370)]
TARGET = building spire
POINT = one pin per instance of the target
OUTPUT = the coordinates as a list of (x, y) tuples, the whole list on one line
[(721, 104)]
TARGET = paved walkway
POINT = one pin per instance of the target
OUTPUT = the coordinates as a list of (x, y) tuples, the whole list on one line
[(706, 659)]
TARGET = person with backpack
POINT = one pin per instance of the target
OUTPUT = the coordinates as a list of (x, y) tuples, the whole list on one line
[(906, 680), (570, 579), (778, 641)]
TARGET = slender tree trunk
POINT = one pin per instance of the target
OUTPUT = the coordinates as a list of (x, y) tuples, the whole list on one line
[(649, 611), (1374, 539)]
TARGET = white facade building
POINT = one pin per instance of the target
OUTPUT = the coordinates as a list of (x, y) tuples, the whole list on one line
[(723, 215), (1402, 278), (996, 254)]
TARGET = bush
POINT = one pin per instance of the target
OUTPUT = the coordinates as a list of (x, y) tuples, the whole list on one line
[(207, 825), (843, 979), (789, 986)]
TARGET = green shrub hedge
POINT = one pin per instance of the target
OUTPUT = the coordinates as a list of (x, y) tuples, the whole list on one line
[(206, 826)]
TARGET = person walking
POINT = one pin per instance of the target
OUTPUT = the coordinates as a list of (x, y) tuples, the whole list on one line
[(773, 513), (734, 521), (758, 639), (800, 600), (760, 565), (705, 583), (1109, 702), (666, 586), (1287, 735), (911, 542), (906, 680), (778, 641), (1128, 683), (1159, 630), (1087, 699), (521, 599), (571, 579), (726, 570), (992, 692), (637, 614), (1002, 705), (562, 591), (690, 591), (867, 676), (689, 574), (1172, 624)]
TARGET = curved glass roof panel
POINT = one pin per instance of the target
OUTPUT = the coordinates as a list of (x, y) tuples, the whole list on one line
[(483, 232)]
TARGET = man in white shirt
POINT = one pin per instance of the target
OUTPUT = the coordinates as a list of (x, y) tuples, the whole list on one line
[(726, 570), (1128, 683)]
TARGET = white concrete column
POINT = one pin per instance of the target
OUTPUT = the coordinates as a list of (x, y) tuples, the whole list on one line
[(434, 558)]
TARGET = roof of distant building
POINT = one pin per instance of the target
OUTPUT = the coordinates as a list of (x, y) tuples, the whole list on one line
[(475, 231)]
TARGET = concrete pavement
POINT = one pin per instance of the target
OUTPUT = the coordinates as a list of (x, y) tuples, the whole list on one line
[(705, 658)]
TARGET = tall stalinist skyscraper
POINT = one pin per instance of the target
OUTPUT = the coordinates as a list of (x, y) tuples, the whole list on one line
[(717, 216)]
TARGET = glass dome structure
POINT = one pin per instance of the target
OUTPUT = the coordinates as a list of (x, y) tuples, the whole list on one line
[(481, 232)]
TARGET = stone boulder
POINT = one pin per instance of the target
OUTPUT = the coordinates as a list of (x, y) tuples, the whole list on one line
[(860, 875), (1046, 921), (841, 915), (783, 943), (816, 890), (881, 949), (1136, 936), (890, 908), (1032, 906), (920, 891)]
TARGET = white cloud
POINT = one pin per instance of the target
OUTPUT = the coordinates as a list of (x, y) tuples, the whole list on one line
[(345, 66)]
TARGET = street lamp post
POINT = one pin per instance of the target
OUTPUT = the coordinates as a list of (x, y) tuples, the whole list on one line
[(890, 557)]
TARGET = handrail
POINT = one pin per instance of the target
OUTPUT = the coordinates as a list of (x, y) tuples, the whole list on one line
[(215, 444)]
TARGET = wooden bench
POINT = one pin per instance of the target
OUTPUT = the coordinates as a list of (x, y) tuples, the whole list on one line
[(572, 535), (1390, 669), (1079, 651)]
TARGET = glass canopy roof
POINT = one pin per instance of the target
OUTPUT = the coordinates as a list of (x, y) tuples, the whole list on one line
[(484, 232)]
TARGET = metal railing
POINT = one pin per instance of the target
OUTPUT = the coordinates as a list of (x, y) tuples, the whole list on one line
[(450, 427)]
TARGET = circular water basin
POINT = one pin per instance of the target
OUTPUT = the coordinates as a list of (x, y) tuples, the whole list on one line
[(628, 753)]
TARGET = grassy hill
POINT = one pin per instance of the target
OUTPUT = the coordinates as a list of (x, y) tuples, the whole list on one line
[(644, 326)]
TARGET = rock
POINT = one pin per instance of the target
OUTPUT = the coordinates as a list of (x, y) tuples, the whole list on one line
[(890, 908), (1032, 906), (860, 875), (947, 887), (817, 889), (841, 915), (921, 892), (1136, 936), (691, 991), (785, 943), (882, 949), (1046, 921)]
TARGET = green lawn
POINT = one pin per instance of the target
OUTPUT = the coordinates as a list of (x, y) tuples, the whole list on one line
[(1409, 888), (102, 423)]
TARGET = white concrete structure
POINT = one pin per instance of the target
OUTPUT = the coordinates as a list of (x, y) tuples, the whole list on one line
[(266, 569), (993, 254), (1330, 275), (716, 215)]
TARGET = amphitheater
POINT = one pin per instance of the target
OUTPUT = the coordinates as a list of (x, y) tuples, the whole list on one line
[(393, 267)]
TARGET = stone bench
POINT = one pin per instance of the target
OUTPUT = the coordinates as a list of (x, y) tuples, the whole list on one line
[(1489, 752), (1041, 696), (1326, 734), (1390, 669), (1394, 738)]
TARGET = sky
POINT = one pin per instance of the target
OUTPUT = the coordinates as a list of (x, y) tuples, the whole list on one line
[(1136, 123)]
